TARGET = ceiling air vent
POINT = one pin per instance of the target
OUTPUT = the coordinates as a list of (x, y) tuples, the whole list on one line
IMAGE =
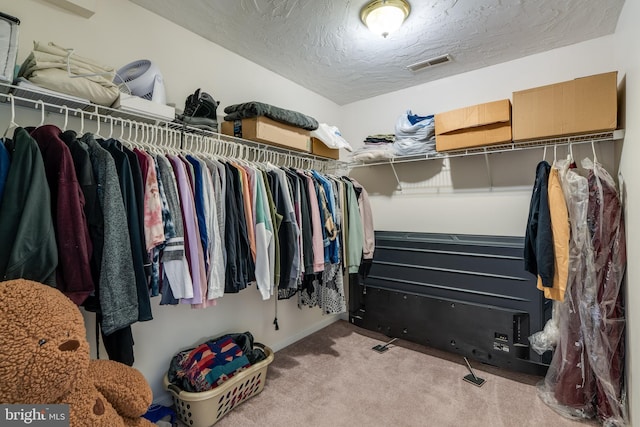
[(443, 59)]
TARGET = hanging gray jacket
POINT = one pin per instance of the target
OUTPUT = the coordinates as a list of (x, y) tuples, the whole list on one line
[(117, 286)]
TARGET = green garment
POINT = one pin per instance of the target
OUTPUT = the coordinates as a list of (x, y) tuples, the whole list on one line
[(355, 237), (28, 248)]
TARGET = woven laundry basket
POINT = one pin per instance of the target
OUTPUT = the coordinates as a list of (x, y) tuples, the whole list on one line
[(205, 408)]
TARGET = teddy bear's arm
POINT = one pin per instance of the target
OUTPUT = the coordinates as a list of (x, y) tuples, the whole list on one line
[(123, 386)]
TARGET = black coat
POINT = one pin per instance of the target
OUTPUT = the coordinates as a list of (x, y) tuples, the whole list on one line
[(538, 245)]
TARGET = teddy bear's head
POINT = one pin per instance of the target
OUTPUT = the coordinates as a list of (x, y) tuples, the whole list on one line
[(43, 345)]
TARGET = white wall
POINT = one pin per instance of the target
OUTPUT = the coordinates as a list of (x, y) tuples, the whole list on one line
[(466, 196), (628, 62), (117, 34)]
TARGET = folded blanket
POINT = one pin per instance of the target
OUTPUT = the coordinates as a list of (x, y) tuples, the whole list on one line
[(46, 66), (373, 153), (254, 109)]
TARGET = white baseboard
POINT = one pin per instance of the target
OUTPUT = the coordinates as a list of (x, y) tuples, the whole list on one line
[(297, 337)]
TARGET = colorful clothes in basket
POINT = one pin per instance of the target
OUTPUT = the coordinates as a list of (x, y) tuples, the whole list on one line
[(208, 365)]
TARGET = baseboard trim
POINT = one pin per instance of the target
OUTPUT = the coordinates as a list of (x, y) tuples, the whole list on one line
[(297, 337)]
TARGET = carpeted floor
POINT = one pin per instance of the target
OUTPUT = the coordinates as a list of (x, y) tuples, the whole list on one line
[(333, 378)]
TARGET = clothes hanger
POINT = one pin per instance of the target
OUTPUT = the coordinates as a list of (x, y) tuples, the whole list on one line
[(98, 135), (129, 140), (81, 121), (571, 152), (121, 130), (164, 139), (41, 102), (593, 149), (66, 117), (151, 139), (142, 141), (110, 127), (12, 122), (175, 146), (135, 140)]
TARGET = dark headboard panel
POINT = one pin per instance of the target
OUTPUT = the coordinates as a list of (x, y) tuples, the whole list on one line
[(461, 293)]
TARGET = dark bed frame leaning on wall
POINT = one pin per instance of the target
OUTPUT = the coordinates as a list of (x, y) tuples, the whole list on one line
[(461, 293)]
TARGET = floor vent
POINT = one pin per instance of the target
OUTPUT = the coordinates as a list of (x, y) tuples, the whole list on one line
[(443, 59)]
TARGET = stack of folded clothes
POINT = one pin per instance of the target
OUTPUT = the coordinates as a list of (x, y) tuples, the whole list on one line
[(379, 139), (58, 69), (213, 362), (248, 110), (376, 147)]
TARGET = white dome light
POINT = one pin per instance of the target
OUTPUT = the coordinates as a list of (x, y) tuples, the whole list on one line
[(383, 17)]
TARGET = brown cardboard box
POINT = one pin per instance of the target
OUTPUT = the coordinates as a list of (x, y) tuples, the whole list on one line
[(319, 148), (587, 104), (474, 126), (265, 130)]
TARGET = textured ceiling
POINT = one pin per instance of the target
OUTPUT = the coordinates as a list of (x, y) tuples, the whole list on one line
[(323, 46)]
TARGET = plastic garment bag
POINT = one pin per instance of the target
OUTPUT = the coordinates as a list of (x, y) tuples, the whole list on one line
[(568, 386), (585, 377), (602, 308)]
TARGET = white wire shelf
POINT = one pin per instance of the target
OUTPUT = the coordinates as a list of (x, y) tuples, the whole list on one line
[(607, 136), (58, 103)]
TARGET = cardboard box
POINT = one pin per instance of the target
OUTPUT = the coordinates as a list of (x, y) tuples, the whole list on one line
[(587, 104), (474, 126), (267, 131), (319, 148)]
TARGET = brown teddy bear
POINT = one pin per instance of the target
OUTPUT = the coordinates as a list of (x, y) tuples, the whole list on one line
[(44, 359)]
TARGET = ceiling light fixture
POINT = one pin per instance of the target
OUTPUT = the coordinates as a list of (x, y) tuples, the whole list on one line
[(384, 16)]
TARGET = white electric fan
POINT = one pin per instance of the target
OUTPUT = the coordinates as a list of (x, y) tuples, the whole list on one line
[(142, 78)]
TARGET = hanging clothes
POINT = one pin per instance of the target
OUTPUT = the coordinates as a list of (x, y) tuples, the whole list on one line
[(265, 244), (5, 162), (130, 178), (569, 386), (92, 209), (73, 273), (152, 206), (287, 234), (116, 291), (559, 217), (175, 268), (238, 249), (538, 249), (585, 376), (193, 244), (28, 248), (604, 309)]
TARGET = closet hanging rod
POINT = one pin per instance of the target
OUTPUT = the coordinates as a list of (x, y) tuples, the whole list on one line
[(32, 98), (189, 142)]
